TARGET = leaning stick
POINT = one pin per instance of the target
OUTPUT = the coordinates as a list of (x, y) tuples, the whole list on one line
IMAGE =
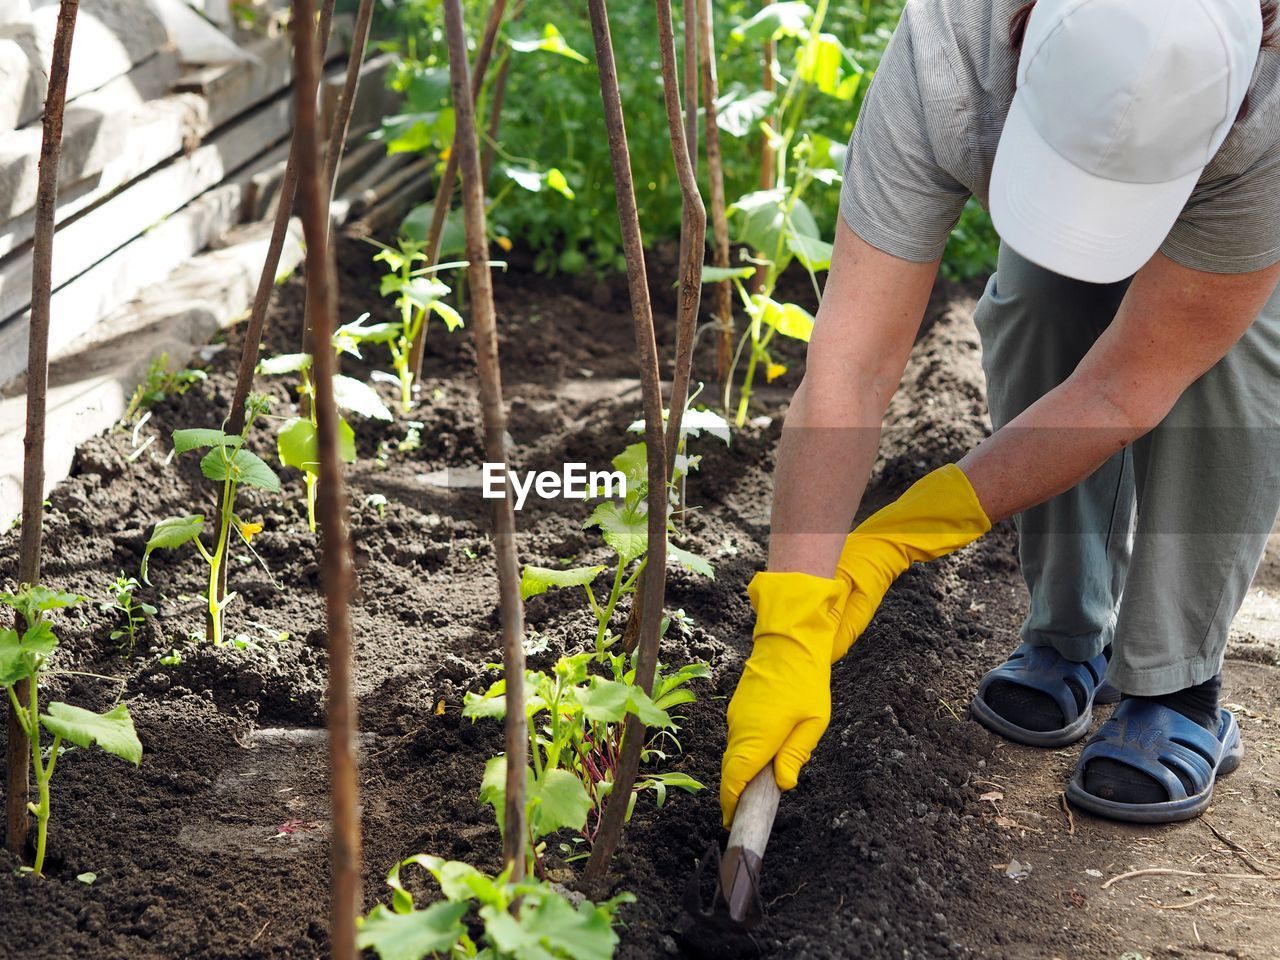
[(715, 175), (693, 230), (262, 296), (647, 354), (495, 104), (485, 334), (342, 116), (449, 176), (768, 83), (331, 506), (17, 759)]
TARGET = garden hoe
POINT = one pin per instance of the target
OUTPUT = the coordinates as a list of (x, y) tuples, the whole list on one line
[(722, 927)]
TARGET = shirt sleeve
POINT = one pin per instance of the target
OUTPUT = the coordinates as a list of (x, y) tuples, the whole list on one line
[(1231, 225), (896, 196)]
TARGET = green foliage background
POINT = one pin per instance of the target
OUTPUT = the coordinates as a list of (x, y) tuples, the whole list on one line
[(552, 120)]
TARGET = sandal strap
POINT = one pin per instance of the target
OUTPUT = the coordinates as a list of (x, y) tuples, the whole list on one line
[(1157, 741), (1046, 671)]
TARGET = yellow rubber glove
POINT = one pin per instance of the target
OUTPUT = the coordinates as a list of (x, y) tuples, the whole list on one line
[(783, 702), (938, 515)]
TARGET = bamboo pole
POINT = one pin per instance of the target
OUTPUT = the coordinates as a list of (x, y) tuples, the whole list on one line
[(485, 334), (18, 754), (723, 309), (449, 177), (336, 560), (495, 105), (262, 295), (651, 390), (768, 52)]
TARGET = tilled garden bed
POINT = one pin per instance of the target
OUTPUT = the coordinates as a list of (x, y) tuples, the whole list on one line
[(216, 847)]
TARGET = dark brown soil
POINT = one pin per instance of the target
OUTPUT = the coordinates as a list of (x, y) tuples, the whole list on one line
[(217, 848)]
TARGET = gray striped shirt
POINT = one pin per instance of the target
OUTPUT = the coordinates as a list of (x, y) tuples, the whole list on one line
[(926, 139)]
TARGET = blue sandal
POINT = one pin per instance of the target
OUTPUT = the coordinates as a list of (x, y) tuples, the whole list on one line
[(1066, 682), (1160, 743)]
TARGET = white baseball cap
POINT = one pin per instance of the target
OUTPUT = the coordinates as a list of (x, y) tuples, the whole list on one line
[(1120, 105)]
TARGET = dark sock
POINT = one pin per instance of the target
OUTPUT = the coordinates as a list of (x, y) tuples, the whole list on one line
[(1031, 709), (1113, 780)]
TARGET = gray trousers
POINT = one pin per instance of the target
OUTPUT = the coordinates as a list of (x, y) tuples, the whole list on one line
[(1155, 551)]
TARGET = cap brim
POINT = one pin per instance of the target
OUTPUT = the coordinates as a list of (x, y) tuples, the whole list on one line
[(1070, 221)]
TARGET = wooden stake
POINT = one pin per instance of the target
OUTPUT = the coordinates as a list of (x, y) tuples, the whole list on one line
[(715, 176), (651, 390), (262, 296), (485, 334), (18, 752), (768, 52), (449, 177), (495, 104), (331, 502)]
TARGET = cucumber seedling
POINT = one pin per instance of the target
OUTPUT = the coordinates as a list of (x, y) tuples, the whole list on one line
[(23, 657), (418, 294), (122, 601), (528, 920), (229, 464), (296, 441)]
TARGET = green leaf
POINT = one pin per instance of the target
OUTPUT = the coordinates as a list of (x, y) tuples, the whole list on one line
[(553, 924), (787, 318), (87, 878), (625, 529), (358, 397), (609, 701), (738, 111), (712, 274), (112, 731), (633, 462), (298, 444), (170, 533), (558, 800), (537, 580), (244, 468), (689, 561), (415, 935), (556, 181), (15, 662), (487, 706), (285, 363), (813, 252), (454, 238), (787, 19), (760, 219), (199, 437), (451, 317), (551, 41), (820, 61)]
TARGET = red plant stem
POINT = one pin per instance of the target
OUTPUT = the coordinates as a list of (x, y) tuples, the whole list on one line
[(336, 565), (484, 330), (18, 757), (449, 177), (715, 176), (262, 296), (651, 390)]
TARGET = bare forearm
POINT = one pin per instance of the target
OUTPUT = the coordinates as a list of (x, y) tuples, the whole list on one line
[(871, 310), (823, 464)]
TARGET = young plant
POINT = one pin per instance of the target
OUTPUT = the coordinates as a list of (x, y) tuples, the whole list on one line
[(122, 602), (575, 726), (23, 657), (529, 920), (296, 441), (159, 384), (229, 464), (777, 222), (418, 294)]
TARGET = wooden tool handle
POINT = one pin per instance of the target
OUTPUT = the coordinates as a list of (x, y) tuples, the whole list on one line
[(757, 807)]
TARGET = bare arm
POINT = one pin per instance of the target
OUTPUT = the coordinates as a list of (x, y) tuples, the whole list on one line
[(871, 310), (1174, 324)]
